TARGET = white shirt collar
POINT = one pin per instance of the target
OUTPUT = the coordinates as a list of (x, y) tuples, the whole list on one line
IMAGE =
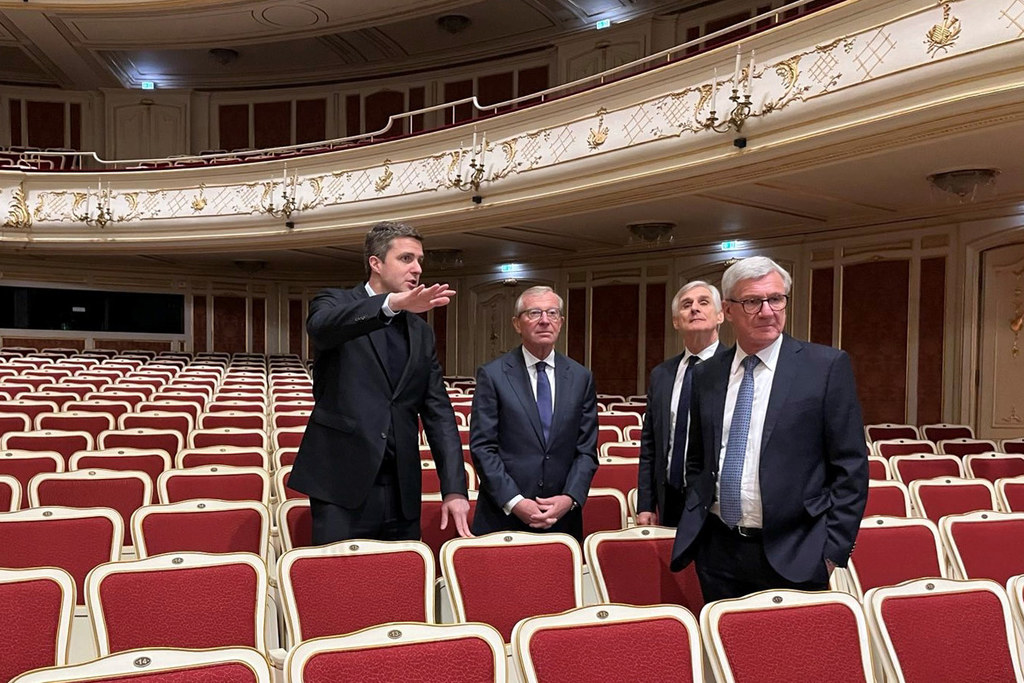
[(532, 360), (369, 289), (769, 355), (703, 354)]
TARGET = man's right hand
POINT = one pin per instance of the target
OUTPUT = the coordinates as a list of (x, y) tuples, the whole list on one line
[(647, 519), (529, 512), (421, 298)]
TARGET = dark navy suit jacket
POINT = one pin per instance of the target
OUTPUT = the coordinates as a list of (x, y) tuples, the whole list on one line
[(357, 406), (508, 447), (654, 439), (813, 467)]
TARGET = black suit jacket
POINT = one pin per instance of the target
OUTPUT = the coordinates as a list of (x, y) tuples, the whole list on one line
[(357, 406), (508, 446), (654, 439), (813, 466)]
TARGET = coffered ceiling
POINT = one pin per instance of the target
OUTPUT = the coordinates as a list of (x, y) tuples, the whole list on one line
[(89, 44)]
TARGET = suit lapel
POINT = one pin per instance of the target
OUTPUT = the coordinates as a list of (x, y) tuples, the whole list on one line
[(785, 378), (377, 339), (719, 386), (667, 408), (415, 339), (519, 379), (563, 391)]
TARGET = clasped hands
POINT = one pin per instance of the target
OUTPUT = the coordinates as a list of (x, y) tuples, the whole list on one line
[(421, 298), (542, 513)]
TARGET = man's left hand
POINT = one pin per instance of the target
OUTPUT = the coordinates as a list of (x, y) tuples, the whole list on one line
[(554, 508), (457, 507)]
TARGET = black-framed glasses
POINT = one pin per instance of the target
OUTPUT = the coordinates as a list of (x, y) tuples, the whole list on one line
[(534, 314), (776, 302)]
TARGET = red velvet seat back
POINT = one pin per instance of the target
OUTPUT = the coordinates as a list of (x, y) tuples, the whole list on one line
[(468, 660), (636, 572), (211, 531), (195, 607), (34, 606), (886, 556)]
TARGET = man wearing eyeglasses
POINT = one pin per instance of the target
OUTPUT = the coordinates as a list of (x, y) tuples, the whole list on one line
[(533, 434), (776, 468)]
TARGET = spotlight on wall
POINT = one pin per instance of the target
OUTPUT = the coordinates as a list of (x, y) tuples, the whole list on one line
[(964, 183)]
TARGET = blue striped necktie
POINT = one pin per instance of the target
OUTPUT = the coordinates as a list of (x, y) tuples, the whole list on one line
[(735, 451)]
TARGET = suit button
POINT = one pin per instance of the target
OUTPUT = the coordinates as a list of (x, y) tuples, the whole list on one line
[(383, 435), (547, 457), (540, 483)]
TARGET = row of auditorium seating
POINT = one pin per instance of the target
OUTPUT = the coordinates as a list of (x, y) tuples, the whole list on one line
[(521, 584)]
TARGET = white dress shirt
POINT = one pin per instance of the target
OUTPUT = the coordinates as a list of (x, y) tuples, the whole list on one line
[(531, 370), (387, 309), (677, 387), (750, 484)]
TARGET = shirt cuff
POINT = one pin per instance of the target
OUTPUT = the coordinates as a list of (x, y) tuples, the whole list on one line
[(387, 309), (507, 507)]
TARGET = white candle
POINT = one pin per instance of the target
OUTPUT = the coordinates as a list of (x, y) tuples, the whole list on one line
[(750, 73), (284, 175), (736, 70), (474, 142), (483, 149)]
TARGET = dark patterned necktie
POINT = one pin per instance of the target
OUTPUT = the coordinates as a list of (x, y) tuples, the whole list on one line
[(544, 398), (675, 472)]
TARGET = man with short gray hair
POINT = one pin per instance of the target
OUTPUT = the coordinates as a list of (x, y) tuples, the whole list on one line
[(533, 432), (696, 315), (776, 467)]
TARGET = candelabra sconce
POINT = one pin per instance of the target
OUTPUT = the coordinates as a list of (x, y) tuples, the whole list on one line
[(97, 218), (288, 205), (734, 120), (740, 99), (469, 180)]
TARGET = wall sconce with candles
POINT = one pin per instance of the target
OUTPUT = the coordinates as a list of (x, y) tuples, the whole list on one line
[(740, 99), (103, 213), (472, 180), (289, 204)]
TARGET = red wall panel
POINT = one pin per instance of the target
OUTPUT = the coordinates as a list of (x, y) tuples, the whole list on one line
[(576, 322), (229, 324), (272, 124), (457, 90), (417, 100), (233, 124), (15, 108), (614, 324), (45, 124), (310, 120), (76, 126), (379, 106), (654, 346), (352, 125), (495, 88), (875, 316), (199, 323), (295, 324), (821, 305)]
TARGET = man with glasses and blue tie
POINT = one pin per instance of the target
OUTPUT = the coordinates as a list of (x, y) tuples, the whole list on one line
[(776, 467), (533, 432)]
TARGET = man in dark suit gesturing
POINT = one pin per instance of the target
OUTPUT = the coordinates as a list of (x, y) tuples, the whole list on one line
[(533, 434), (376, 372), (776, 471), (696, 315)]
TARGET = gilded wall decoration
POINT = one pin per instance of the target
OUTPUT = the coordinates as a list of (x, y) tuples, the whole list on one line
[(799, 74), (599, 133), (942, 36), (18, 216)]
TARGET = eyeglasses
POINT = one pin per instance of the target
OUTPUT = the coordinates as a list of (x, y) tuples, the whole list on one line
[(753, 305), (534, 314)]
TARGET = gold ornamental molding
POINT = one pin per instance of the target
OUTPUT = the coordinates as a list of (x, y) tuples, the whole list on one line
[(932, 35)]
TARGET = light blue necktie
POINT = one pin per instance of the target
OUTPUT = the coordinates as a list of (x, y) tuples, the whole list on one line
[(735, 451), (544, 398)]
